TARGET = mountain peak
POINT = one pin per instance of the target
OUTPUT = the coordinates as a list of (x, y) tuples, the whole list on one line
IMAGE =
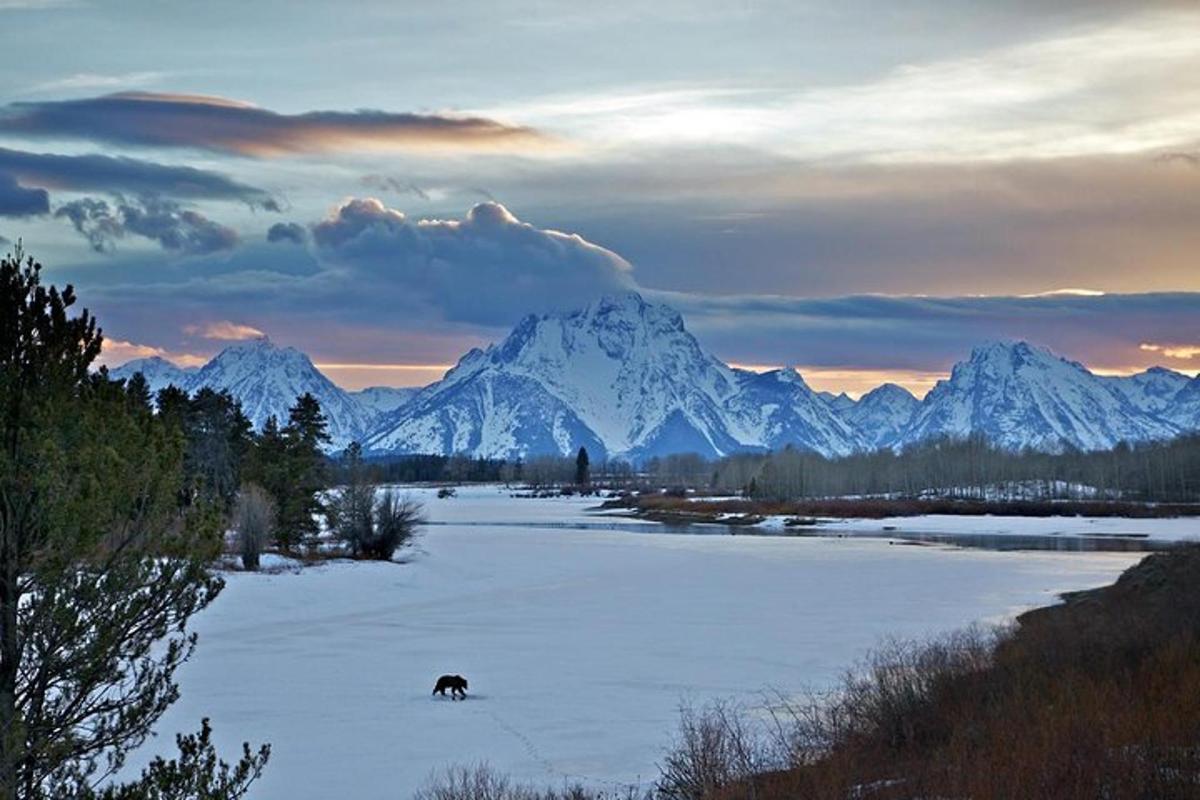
[(1011, 350), (622, 374), (890, 392), (1021, 395)]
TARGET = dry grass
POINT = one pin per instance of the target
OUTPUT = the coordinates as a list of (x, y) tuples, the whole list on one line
[(665, 506), (1099, 697)]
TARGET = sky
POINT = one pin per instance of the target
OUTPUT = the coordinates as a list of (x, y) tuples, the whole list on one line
[(860, 190)]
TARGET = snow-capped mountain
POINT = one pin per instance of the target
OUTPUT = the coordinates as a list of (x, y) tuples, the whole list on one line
[(621, 377), (379, 400), (841, 403), (1153, 390), (158, 372), (881, 415), (1185, 406), (267, 379), (1019, 395), (624, 377)]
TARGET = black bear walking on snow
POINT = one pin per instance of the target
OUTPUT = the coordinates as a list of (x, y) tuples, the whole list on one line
[(457, 685)]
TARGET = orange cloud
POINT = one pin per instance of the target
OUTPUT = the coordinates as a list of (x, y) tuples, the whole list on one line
[(118, 351), (231, 126), (224, 331), (1181, 351)]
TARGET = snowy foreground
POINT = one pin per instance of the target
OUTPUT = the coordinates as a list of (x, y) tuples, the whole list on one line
[(1167, 529), (579, 644)]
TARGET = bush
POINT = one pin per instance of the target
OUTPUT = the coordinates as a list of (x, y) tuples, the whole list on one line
[(714, 748), (481, 782), (396, 521), (253, 519)]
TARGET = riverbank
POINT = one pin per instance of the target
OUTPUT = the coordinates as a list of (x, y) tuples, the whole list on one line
[(1098, 696), (1006, 525)]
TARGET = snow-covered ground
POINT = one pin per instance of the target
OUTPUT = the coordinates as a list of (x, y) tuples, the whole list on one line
[(1167, 529), (579, 644)]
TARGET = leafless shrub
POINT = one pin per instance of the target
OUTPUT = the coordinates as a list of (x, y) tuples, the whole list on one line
[(253, 519), (481, 782), (715, 747), (396, 522)]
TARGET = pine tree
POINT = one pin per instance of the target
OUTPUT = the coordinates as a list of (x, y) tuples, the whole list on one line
[(582, 468), (303, 467), (218, 436), (99, 570)]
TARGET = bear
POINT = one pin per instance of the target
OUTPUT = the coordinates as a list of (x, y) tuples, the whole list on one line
[(457, 685)]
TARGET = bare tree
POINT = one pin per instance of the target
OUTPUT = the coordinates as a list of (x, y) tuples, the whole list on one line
[(396, 521), (254, 520)]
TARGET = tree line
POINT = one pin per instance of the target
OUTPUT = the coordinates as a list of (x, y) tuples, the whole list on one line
[(972, 468), (968, 468)]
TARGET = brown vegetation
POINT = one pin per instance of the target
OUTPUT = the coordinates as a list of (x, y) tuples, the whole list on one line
[(664, 506), (1098, 697)]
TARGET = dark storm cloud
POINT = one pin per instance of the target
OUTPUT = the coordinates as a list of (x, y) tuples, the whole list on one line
[(130, 175), (228, 126), (20, 201), (174, 228), (488, 268), (287, 232)]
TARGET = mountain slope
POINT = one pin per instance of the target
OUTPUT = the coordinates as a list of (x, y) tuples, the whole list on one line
[(158, 372), (1185, 406), (882, 414), (267, 379), (1153, 390), (622, 373), (840, 403), (1018, 396), (375, 401)]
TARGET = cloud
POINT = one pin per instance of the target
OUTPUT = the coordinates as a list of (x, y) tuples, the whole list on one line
[(115, 352), (380, 276), (129, 175), (287, 232), (94, 80), (1107, 87), (488, 267), (164, 221), (930, 333), (1181, 351), (389, 184), (229, 126), (19, 201), (224, 331)]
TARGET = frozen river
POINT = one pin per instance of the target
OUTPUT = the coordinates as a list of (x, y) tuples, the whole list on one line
[(579, 644)]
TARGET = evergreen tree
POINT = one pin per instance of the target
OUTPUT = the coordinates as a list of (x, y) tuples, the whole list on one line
[(307, 423), (138, 390), (218, 437), (99, 570), (583, 475), (300, 473)]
